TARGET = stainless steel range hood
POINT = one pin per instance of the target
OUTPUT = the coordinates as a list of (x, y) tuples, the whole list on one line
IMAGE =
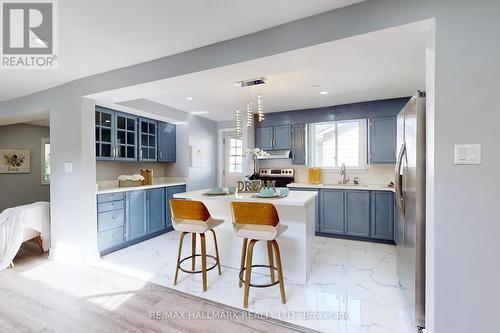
[(277, 154)]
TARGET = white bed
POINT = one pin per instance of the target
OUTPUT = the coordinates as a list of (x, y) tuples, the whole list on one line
[(20, 224)]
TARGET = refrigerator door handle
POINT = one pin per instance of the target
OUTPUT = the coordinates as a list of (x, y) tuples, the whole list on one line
[(398, 180)]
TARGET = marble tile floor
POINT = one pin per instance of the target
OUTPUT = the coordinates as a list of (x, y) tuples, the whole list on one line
[(352, 288)]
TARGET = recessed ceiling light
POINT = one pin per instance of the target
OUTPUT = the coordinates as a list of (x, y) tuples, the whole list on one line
[(315, 86), (199, 112), (324, 92), (189, 98)]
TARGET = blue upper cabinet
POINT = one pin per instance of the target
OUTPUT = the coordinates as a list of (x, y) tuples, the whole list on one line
[(155, 201), (357, 213), (148, 140), (125, 137), (166, 142), (298, 144), (282, 137), (269, 138), (331, 211), (264, 138), (382, 215), (383, 133), (104, 133)]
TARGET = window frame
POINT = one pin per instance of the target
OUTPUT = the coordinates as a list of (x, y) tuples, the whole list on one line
[(236, 138), (363, 144), (43, 179)]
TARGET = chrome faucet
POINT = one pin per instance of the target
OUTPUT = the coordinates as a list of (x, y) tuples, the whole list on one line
[(343, 173)]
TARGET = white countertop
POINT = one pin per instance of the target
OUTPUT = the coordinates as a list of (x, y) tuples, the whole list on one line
[(115, 189), (343, 187), (293, 199)]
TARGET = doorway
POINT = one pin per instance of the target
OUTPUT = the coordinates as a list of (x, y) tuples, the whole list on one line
[(232, 166)]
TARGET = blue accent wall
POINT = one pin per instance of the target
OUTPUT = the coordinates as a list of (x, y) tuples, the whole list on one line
[(378, 108)]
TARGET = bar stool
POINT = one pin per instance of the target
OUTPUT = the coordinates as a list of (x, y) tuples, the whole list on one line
[(258, 221), (192, 217)]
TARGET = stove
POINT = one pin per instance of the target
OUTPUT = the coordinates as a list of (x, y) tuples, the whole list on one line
[(282, 177)]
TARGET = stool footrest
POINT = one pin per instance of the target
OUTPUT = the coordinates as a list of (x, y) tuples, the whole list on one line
[(199, 271), (258, 285)]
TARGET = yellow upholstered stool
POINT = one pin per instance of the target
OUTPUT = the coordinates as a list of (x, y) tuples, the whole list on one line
[(258, 221), (192, 217)]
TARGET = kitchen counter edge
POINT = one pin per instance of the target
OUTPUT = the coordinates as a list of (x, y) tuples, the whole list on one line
[(342, 187), (104, 190)]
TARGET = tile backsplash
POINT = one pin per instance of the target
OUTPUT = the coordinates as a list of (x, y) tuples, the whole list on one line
[(109, 170), (375, 174)]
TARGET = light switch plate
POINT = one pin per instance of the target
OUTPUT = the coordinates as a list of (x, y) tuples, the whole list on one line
[(468, 154), (68, 167)]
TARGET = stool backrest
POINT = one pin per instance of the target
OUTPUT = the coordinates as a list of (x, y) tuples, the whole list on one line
[(189, 210), (254, 213)]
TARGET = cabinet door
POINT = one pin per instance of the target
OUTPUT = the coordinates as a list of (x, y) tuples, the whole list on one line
[(147, 140), (136, 214), (166, 142), (104, 133), (125, 136), (171, 190), (382, 215), (357, 210), (383, 133), (298, 144), (264, 138), (282, 137), (156, 209), (332, 211)]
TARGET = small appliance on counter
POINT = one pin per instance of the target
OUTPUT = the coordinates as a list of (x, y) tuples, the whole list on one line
[(314, 176), (148, 177)]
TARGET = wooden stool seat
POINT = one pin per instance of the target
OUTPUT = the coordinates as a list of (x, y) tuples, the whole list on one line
[(255, 222), (192, 217)]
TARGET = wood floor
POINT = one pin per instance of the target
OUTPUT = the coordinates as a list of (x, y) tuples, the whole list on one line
[(40, 295)]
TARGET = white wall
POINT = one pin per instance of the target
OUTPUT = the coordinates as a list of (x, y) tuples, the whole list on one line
[(466, 223)]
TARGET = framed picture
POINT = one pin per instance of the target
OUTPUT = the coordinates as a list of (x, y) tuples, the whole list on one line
[(198, 157), (14, 161)]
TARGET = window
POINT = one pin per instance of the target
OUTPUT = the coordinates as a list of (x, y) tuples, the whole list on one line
[(339, 142), (235, 155), (45, 161)]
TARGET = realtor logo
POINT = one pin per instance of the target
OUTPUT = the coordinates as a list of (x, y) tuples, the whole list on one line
[(28, 34)]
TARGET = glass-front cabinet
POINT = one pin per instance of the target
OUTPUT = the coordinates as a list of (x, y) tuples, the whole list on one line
[(104, 143), (147, 140), (125, 137)]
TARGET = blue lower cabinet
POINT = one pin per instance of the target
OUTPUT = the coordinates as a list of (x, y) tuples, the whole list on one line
[(357, 213), (156, 209), (136, 214), (126, 218), (171, 190), (110, 239), (382, 215), (331, 211)]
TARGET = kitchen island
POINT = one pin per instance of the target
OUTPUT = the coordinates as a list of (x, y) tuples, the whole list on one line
[(297, 211)]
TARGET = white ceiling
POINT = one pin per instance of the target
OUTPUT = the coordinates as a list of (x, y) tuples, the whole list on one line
[(96, 36), (383, 64)]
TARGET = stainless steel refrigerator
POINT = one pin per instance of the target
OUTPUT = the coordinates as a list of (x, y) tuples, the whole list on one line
[(410, 202)]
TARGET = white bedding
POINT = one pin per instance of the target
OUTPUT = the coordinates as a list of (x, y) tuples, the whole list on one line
[(13, 221)]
